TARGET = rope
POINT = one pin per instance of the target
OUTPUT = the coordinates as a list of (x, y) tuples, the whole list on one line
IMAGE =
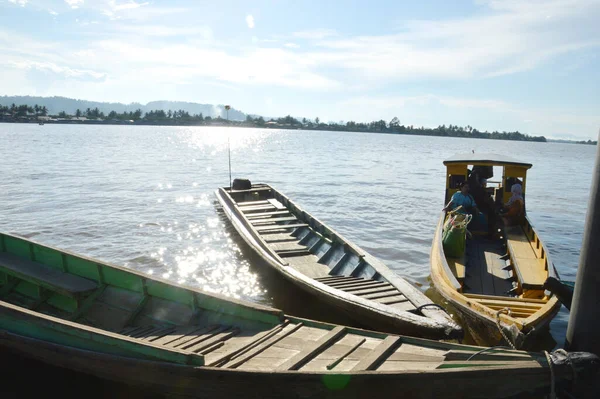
[(552, 380), (418, 309), (508, 312), (487, 349)]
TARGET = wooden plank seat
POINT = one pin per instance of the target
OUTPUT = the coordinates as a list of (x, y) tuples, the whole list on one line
[(273, 220), (378, 291), (280, 227), (260, 215), (251, 203), (251, 190), (529, 269), (257, 208), (51, 279)]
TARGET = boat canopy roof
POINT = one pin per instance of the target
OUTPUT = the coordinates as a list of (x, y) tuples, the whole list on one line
[(485, 159)]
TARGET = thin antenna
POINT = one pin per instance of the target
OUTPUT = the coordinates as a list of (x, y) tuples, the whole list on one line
[(227, 108)]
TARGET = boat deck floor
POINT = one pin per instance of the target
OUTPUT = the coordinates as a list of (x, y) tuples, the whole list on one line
[(309, 266), (485, 270)]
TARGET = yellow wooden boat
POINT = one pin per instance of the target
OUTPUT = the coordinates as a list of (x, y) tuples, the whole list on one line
[(497, 285)]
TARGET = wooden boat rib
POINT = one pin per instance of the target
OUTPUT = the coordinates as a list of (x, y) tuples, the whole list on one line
[(322, 262), (79, 313), (498, 285)]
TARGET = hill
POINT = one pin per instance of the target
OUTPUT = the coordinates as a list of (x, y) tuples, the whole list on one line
[(70, 106)]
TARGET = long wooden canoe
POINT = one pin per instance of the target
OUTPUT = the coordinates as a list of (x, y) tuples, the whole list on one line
[(498, 285), (323, 263), (79, 313)]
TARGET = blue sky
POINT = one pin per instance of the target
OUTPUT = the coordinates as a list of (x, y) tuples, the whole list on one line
[(505, 65)]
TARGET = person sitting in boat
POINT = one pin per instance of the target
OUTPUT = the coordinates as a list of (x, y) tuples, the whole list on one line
[(514, 209), (463, 199), (485, 203)]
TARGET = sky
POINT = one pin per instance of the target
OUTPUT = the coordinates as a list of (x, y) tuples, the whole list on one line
[(531, 66)]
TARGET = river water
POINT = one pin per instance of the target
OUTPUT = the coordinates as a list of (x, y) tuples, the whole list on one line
[(143, 197)]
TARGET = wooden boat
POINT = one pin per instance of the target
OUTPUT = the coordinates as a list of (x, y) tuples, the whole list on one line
[(498, 285), (322, 262), (79, 313)]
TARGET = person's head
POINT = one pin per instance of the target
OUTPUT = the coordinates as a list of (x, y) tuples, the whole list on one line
[(516, 189), (464, 187), (483, 183)]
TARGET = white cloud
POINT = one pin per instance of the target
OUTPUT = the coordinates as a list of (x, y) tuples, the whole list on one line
[(130, 5), (134, 10), (22, 3), (202, 32), (315, 34), (250, 21), (514, 37), (74, 3), (53, 13), (291, 45), (64, 71)]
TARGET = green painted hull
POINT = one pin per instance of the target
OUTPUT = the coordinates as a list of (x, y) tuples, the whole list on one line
[(79, 313)]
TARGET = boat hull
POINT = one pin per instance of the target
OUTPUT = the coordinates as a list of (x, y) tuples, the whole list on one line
[(365, 314), (485, 325), (204, 382)]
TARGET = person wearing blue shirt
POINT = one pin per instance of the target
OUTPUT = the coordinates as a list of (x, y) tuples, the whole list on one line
[(464, 199)]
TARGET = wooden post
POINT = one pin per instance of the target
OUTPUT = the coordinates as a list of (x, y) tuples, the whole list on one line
[(584, 323)]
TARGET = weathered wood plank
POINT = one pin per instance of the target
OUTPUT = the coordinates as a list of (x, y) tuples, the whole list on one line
[(505, 298), (248, 203), (221, 337), (379, 295), (383, 288), (252, 352), (260, 338), (255, 222), (280, 227), (198, 336), (357, 284), (52, 279), (309, 352), (257, 208), (331, 365), (378, 355), (263, 214), (389, 300), (328, 279), (180, 333), (489, 355), (158, 334), (293, 252)]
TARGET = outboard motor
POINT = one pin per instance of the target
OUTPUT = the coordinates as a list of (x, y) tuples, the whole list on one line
[(241, 184)]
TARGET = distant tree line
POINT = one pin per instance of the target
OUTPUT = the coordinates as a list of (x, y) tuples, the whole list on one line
[(395, 127), (159, 117), (23, 110)]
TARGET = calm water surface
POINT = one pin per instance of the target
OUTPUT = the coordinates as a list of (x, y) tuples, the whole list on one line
[(143, 197)]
